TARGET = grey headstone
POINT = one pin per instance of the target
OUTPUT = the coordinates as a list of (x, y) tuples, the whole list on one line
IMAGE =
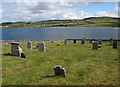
[(115, 44), (95, 45), (92, 41), (16, 49), (65, 42), (100, 42), (29, 45), (63, 72), (59, 71), (41, 46), (74, 41), (111, 42), (83, 41)]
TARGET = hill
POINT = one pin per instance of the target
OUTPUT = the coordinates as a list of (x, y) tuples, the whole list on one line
[(87, 22)]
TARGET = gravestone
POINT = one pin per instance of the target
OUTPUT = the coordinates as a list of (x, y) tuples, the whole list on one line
[(115, 44), (83, 41), (95, 45), (65, 42), (74, 41), (52, 41), (100, 43), (59, 71), (111, 42), (16, 49), (29, 45), (92, 41), (41, 46)]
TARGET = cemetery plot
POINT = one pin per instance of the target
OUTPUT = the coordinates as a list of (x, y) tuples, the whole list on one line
[(82, 65)]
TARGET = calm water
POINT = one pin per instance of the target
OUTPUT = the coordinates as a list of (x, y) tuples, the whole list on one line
[(59, 33)]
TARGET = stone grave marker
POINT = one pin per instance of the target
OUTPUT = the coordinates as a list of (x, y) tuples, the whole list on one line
[(111, 42), (41, 46), (74, 41), (65, 42), (59, 71), (115, 44), (100, 43), (16, 49), (83, 41), (92, 41), (29, 45), (95, 45)]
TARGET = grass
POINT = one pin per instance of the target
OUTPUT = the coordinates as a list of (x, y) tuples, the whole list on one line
[(86, 22), (84, 66)]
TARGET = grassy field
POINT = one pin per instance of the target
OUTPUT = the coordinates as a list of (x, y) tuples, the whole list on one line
[(87, 22), (84, 66)]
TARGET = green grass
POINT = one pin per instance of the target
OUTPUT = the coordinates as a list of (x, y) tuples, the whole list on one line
[(84, 66), (91, 21)]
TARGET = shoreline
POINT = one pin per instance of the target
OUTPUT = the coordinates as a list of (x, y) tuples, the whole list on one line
[(24, 41)]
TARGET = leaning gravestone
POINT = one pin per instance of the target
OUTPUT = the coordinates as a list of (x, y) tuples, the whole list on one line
[(59, 71), (115, 44), (29, 45), (83, 41), (74, 41), (41, 46), (16, 49), (95, 45)]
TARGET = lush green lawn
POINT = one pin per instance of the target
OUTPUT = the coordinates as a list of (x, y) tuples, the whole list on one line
[(84, 66)]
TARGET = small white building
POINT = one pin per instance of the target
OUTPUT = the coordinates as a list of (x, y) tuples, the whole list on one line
[(16, 49)]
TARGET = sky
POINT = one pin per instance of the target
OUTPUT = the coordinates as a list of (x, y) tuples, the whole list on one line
[(40, 10)]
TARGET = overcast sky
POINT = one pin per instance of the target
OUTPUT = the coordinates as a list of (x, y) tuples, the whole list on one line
[(39, 10)]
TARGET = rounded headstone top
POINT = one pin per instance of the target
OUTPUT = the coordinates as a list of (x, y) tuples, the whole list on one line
[(16, 43)]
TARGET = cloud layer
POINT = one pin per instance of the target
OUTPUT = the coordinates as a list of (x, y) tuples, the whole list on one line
[(33, 10)]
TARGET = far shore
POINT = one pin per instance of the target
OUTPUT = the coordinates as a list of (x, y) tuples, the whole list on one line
[(24, 41)]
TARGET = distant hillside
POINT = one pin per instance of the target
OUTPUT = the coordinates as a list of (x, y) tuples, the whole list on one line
[(92, 22)]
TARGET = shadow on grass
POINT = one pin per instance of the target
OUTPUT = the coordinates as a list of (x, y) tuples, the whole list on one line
[(49, 76), (7, 54)]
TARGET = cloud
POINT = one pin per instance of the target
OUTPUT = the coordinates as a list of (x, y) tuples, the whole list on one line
[(32, 10)]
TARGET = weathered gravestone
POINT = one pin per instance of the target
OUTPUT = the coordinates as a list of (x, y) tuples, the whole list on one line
[(16, 49), (111, 42), (83, 41), (100, 43), (95, 45), (115, 44), (65, 42), (92, 41), (29, 45), (74, 41), (41, 46), (59, 71)]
